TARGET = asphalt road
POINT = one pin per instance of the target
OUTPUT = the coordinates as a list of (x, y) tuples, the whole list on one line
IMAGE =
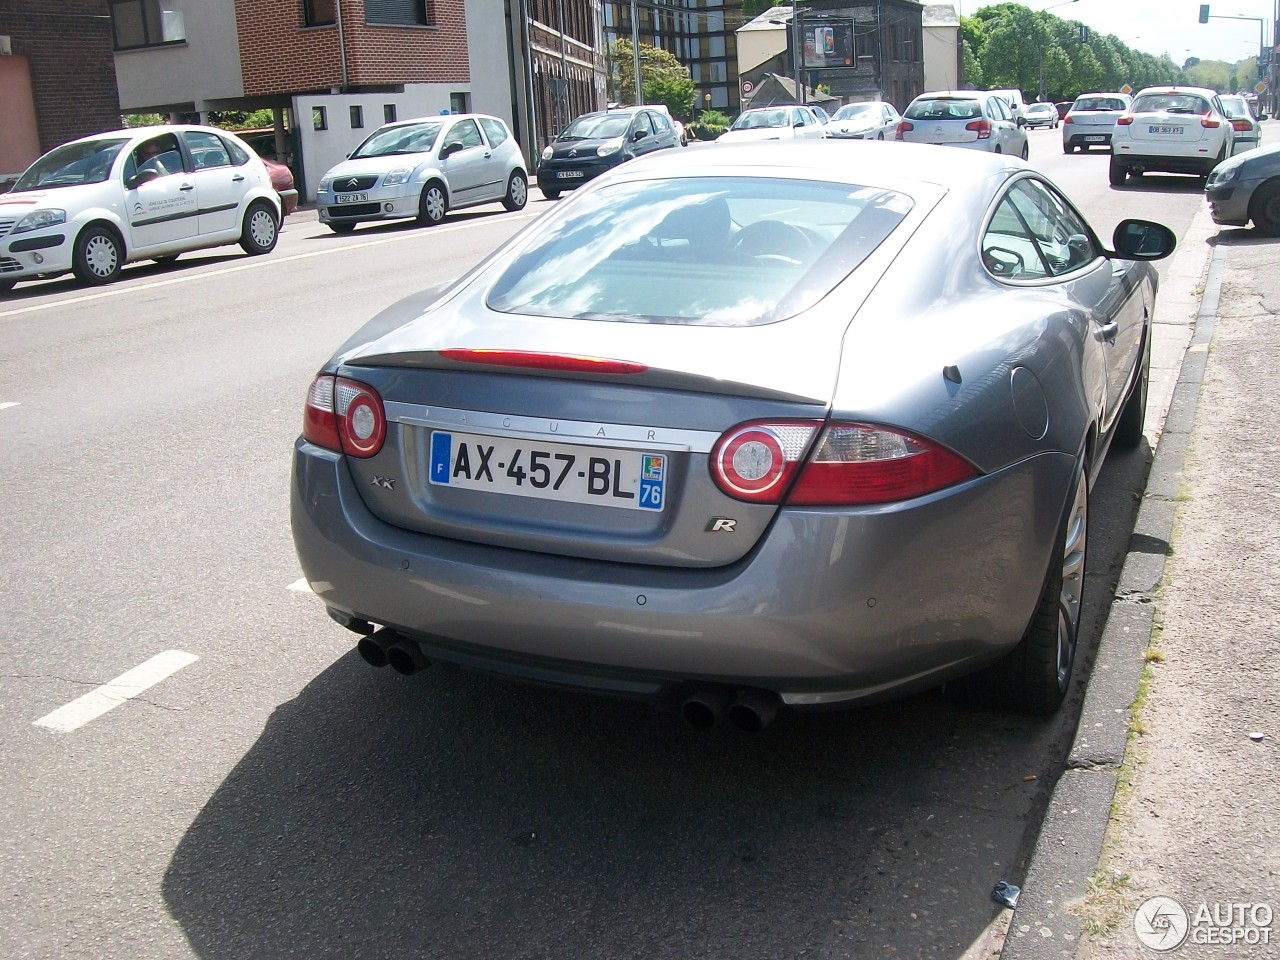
[(275, 797)]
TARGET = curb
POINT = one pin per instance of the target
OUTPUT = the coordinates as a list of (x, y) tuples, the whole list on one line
[(1070, 845)]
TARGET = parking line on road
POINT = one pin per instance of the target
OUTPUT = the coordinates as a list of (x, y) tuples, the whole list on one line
[(301, 585), (254, 264), (6, 406), (128, 685)]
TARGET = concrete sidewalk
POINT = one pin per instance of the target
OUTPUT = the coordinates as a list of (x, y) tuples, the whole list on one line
[(1172, 787)]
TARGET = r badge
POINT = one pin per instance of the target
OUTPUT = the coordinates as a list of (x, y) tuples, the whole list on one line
[(721, 525)]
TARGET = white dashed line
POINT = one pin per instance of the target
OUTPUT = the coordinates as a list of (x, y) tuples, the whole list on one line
[(6, 406), (128, 685), (301, 586)]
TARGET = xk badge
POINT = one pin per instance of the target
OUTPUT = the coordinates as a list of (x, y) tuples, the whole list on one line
[(386, 483)]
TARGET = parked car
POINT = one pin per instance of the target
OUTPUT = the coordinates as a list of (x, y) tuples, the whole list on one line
[(1017, 105), (866, 120), (1246, 188), (282, 182), (149, 193), (1170, 130), (595, 143), (974, 119), (1246, 130), (1041, 115), (424, 168), (842, 449), (1062, 106), (782, 122), (1091, 119)]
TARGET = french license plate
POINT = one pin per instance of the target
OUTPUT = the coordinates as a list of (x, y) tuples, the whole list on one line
[(569, 175), (351, 197), (1164, 129), (1095, 139), (563, 472)]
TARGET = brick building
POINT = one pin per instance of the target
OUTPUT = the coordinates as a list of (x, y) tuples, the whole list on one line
[(57, 76)]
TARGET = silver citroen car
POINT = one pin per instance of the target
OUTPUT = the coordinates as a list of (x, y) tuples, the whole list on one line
[(741, 429)]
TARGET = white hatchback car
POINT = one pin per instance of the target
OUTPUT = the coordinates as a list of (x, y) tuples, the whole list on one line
[(423, 168), (865, 120), (781, 122), (975, 119), (1170, 130), (150, 193)]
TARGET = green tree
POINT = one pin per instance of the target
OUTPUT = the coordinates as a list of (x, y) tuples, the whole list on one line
[(664, 79)]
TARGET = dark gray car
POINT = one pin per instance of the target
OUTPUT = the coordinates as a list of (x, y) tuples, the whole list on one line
[(595, 143), (1247, 188), (781, 424)]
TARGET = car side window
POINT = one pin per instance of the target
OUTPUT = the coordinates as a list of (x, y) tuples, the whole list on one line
[(239, 155), (1035, 233), (799, 119), (660, 122), (642, 124), (160, 154), (494, 130), (464, 132), (998, 109), (207, 149)]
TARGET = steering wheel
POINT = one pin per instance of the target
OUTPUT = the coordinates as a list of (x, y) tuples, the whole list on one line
[(1002, 262), (774, 240)]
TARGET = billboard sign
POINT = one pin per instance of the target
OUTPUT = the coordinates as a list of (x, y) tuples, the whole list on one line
[(828, 43)]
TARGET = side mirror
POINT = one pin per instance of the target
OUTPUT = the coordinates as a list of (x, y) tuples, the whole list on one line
[(1142, 240), (449, 149), (638, 135), (138, 179), (1022, 121)]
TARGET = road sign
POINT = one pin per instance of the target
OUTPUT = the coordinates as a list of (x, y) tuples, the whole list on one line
[(1260, 86), (747, 87), (1127, 90)]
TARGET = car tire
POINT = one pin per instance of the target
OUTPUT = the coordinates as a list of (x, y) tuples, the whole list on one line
[(1067, 148), (98, 255), (1133, 417), (1117, 173), (1036, 674), (517, 191), (261, 230), (342, 227), (433, 203), (880, 135), (1264, 209), (551, 194)]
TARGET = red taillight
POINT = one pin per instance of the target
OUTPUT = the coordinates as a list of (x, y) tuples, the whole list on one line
[(565, 363), (904, 126), (345, 416), (1123, 121), (1068, 119), (983, 127), (1208, 122), (1241, 126), (852, 464)]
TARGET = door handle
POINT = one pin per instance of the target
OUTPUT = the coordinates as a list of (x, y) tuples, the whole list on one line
[(238, 178), (1108, 331), (186, 187)]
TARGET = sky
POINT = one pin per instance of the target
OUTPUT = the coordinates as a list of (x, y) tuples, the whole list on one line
[(1164, 26)]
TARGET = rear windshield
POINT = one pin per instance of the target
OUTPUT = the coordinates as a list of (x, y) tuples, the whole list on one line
[(394, 141), (71, 165), (1170, 103), (1098, 103), (713, 251), (943, 109), (758, 119)]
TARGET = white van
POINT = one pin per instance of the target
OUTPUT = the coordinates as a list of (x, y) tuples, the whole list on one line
[(1014, 99)]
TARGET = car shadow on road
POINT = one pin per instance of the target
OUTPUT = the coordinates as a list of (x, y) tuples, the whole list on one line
[(379, 227), (1162, 183), (452, 815)]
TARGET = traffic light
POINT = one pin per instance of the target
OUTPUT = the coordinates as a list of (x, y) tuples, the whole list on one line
[(1204, 13), (1084, 33)]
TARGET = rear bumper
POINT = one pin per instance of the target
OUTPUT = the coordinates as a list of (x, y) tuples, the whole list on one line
[(1199, 165), (1086, 137), (831, 605)]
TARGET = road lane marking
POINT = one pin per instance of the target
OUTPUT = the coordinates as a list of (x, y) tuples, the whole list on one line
[(301, 586), (6, 406), (255, 263), (128, 685)]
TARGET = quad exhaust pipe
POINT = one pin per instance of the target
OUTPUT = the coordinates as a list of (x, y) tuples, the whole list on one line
[(385, 647), (749, 710)]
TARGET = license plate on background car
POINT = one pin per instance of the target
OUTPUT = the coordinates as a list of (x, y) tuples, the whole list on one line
[(1163, 129), (569, 175), (564, 472), (1094, 139), (351, 197)]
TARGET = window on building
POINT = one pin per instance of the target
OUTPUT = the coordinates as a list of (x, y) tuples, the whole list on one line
[(319, 13), (408, 13), (459, 103), (146, 23), (357, 116), (319, 118), (388, 113)]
